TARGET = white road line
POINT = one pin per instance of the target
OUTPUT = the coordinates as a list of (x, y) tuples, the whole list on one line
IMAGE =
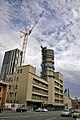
[(51, 118)]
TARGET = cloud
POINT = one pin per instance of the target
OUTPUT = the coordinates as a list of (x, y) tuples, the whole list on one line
[(59, 28)]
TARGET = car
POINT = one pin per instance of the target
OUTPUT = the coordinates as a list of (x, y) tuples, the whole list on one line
[(78, 118), (66, 113), (76, 113), (1, 109), (21, 109), (41, 110), (45, 110), (71, 110)]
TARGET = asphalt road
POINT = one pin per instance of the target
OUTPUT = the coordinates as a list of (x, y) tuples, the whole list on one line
[(50, 115)]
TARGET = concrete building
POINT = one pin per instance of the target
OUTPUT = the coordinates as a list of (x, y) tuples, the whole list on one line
[(27, 88), (74, 103), (11, 60), (3, 93), (77, 102), (55, 79), (68, 102), (47, 63), (58, 90)]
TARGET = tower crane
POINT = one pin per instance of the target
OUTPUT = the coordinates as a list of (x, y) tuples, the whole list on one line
[(25, 35)]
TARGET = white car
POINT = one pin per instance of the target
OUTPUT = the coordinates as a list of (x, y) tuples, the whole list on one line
[(66, 113), (78, 119), (76, 114), (41, 110), (45, 110)]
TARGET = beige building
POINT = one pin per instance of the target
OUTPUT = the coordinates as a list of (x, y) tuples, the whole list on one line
[(58, 89), (67, 102), (25, 87)]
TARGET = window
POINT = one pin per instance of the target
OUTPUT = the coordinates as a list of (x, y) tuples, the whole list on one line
[(20, 70), (11, 94), (15, 94), (17, 78), (16, 86), (13, 87), (10, 79), (9, 87)]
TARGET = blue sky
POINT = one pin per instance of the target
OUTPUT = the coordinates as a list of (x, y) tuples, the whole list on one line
[(59, 28)]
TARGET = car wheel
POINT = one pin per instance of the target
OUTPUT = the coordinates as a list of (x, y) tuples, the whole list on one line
[(0, 111)]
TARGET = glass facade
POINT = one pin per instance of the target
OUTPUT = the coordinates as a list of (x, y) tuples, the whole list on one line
[(11, 60)]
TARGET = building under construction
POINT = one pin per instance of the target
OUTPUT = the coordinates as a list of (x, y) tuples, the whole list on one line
[(55, 79), (47, 63), (29, 89)]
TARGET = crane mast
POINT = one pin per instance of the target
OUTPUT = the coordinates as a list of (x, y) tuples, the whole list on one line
[(25, 35)]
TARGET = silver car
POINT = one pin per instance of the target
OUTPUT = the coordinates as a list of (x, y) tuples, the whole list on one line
[(41, 110), (66, 113)]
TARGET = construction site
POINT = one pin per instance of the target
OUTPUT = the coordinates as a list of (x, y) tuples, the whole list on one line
[(24, 86)]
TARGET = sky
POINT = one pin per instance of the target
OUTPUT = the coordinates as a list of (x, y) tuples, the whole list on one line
[(59, 28)]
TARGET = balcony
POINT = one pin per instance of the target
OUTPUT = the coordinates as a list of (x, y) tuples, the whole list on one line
[(39, 93), (42, 86)]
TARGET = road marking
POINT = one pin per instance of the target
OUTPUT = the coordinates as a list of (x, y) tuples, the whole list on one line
[(51, 118)]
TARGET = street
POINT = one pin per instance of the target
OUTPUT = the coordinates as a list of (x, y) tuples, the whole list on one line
[(50, 115)]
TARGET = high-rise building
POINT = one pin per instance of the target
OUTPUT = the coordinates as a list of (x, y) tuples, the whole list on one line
[(55, 79), (47, 63), (11, 60)]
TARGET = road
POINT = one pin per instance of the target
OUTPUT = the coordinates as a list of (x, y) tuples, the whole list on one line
[(50, 115)]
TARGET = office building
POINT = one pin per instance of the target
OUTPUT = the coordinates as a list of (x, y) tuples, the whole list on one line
[(27, 88), (33, 91), (11, 60)]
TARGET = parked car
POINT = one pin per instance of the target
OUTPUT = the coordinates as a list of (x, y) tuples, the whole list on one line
[(45, 110), (1, 109), (21, 109), (71, 110), (66, 112), (41, 110), (76, 113), (78, 118)]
